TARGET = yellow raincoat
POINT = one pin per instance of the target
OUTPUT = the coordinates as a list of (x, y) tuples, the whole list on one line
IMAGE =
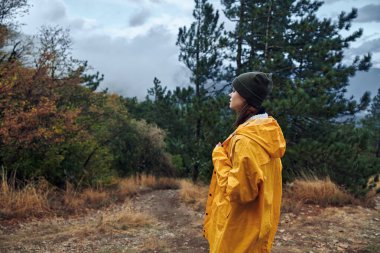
[(243, 206)]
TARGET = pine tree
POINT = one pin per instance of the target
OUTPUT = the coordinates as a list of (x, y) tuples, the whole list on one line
[(200, 51), (257, 40)]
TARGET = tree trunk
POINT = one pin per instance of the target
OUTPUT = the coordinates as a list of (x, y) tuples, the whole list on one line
[(266, 55), (240, 39), (198, 103)]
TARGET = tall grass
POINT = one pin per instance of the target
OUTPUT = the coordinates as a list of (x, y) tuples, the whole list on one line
[(318, 191), (31, 199), (193, 194), (157, 183)]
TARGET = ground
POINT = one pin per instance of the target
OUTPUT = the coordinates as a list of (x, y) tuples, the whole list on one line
[(157, 221)]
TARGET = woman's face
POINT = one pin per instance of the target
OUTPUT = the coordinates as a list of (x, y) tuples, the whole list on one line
[(237, 102)]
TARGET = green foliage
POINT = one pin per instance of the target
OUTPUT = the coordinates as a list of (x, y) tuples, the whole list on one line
[(372, 124), (179, 165), (151, 150)]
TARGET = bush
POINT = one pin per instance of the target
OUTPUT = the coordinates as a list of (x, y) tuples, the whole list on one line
[(140, 148)]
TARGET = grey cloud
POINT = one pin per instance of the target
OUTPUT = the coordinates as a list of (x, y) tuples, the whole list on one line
[(77, 24), (81, 25), (143, 2), (139, 18), (129, 66), (331, 1), (371, 46), (364, 81), (56, 11), (369, 13)]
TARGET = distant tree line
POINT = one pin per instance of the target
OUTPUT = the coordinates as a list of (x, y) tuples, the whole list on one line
[(56, 123)]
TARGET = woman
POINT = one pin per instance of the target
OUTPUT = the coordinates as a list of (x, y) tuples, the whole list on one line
[(243, 207)]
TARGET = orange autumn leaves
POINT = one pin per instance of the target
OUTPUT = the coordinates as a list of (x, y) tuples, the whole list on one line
[(29, 105)]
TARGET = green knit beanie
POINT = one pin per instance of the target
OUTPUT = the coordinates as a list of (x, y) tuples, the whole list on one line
[(253, 87)]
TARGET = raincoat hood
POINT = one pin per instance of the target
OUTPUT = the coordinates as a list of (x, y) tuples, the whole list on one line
[(267, 133)]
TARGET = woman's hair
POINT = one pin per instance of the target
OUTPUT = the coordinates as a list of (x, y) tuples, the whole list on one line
[(246, 112)]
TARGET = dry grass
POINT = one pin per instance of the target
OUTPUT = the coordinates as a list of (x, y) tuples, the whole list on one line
[(193, 194), (157, 183), (71, 198), (41, 198), (131, 186), (148, 181), (155, 245), (317, 191), (58, 230), (167, 183), (127, 187), (290, 205), (124, 220), (32, 199), (96, 198), (370, 199)]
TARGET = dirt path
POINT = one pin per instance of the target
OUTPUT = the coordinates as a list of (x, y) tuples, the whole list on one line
[(160, 223), (180, 225), (157, 221)]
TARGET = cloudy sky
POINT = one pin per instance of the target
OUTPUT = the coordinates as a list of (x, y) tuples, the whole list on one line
[(133, 41)]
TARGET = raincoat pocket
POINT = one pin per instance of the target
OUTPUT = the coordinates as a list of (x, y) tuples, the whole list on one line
[(222, 212)]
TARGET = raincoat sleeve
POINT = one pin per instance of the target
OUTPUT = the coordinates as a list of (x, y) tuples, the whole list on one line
[(240, 179), (222, 166), (245, 177)]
